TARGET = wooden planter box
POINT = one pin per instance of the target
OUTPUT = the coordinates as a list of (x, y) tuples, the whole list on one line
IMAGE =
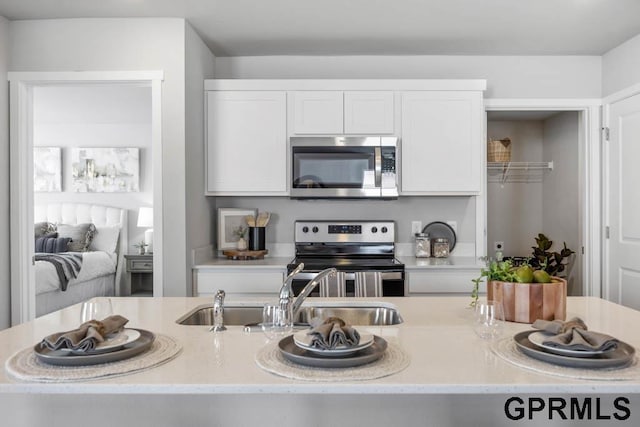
[(526, 302)]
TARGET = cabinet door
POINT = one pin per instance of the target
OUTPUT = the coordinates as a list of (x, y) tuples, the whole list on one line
[(444, 282), (317, 112), (246, 143), (367, 112), (441, 143), (256, 282)]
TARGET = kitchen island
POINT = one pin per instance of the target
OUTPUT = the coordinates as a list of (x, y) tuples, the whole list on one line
[(454, 377)]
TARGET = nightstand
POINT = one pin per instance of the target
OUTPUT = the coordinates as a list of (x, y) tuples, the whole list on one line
[(140, 274)]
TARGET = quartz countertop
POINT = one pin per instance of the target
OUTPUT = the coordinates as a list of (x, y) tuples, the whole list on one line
[(266, 262), (446, 356), (449, 263)]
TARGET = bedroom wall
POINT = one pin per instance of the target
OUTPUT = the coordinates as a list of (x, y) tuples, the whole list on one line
[(199, 65), (115, 44), (5, 259), (97, 116)]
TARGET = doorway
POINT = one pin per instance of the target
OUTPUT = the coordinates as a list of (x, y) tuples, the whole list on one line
[(22, 88), (551, 184)]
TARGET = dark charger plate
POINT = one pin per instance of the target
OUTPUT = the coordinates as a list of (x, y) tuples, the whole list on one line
[(63, 358), (621, 356), (296, 354)]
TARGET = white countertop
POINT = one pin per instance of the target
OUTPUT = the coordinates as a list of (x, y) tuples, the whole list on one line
[(267, 262), (410, 262), (446, 356)]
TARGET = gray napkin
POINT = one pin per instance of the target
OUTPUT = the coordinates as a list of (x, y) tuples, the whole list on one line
[(332, 333), (87, 336), (573, 335)]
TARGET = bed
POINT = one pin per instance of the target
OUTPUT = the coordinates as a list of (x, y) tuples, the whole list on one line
[(101, 261)]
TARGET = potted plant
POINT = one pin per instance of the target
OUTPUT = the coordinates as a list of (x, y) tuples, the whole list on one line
[(141, 245), (241, 232), (530, 291)]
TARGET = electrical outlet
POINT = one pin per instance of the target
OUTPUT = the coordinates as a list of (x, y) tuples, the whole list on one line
[(454, 225), (498, 246), (416, 227)]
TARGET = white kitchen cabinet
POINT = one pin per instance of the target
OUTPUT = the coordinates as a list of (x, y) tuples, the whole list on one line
[(343, 112), (256, 282), (368, 112), (442, 143), (246, 143), (317, 112), (442, 281)]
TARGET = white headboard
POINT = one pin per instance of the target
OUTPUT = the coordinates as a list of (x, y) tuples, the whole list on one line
[(81, 213)]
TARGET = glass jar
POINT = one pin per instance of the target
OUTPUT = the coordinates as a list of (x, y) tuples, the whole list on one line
[(440, 247), (423, 245)]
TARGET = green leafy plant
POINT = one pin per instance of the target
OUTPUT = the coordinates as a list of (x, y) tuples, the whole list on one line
[(495, 270), (240, 232), (551, 262)]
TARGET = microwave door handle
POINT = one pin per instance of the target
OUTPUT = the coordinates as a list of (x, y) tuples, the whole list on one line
[(378, 166)]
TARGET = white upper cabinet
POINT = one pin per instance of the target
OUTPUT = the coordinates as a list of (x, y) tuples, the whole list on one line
[(441, 143), (317, 112), (368, 112), (343, 112), (246, 143)]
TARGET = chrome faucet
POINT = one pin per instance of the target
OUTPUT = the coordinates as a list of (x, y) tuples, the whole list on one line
[(218, 312), (286, 292)]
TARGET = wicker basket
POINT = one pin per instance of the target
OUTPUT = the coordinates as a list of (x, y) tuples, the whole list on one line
[(499, 150)]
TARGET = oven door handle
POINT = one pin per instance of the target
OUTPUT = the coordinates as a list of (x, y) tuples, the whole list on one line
[(385, 275)]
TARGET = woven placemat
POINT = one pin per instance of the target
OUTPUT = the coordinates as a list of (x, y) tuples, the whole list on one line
[(25, 366), (392, 361), (507, 349)]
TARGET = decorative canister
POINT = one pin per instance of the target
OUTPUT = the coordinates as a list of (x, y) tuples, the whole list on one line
[(422, 245), (440, 247)]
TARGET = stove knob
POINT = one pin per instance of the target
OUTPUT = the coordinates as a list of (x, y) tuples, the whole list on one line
[(305, 229), (384, 229), (315, 229), (374, 229)]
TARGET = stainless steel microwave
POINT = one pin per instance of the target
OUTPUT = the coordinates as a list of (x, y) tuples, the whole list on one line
[(344, 167)]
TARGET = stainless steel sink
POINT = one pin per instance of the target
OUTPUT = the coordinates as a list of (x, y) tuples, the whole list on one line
[(371, 314)]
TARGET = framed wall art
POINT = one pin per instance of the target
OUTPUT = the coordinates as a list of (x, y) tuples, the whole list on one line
[(229, 220), (47, 169), (105, 170)]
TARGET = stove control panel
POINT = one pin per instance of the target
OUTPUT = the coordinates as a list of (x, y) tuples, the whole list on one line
[(344, 231)]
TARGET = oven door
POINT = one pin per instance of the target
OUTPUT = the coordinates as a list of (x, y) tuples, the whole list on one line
[(393, 283)]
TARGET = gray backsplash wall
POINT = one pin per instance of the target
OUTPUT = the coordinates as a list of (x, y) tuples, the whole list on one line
[(403, 210)]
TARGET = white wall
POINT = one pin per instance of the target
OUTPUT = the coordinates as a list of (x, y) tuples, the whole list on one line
[(560, 189), (97, 116), (507, 76), (5, 272), (514, 210), (403, 211), (125, 44), (621, 66), (199, 65)]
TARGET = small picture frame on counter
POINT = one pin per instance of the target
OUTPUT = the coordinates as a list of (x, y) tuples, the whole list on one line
[(229, 219)]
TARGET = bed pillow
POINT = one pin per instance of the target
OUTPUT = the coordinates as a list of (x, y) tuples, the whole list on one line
[(81, 236), (105, 239), (41, 229), (52, 245)]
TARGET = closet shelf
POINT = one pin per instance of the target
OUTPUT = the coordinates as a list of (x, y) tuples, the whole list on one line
[(517, 171)]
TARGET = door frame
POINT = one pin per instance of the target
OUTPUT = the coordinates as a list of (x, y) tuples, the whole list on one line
[(21, 85), (606, 249), (590, 153)]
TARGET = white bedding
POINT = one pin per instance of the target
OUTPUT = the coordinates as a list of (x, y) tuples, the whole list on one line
[(94, 264)]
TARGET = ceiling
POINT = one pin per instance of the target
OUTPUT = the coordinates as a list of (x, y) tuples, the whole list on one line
[(374, 27)]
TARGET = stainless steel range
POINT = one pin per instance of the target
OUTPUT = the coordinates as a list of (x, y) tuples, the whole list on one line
[(349, 246)]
